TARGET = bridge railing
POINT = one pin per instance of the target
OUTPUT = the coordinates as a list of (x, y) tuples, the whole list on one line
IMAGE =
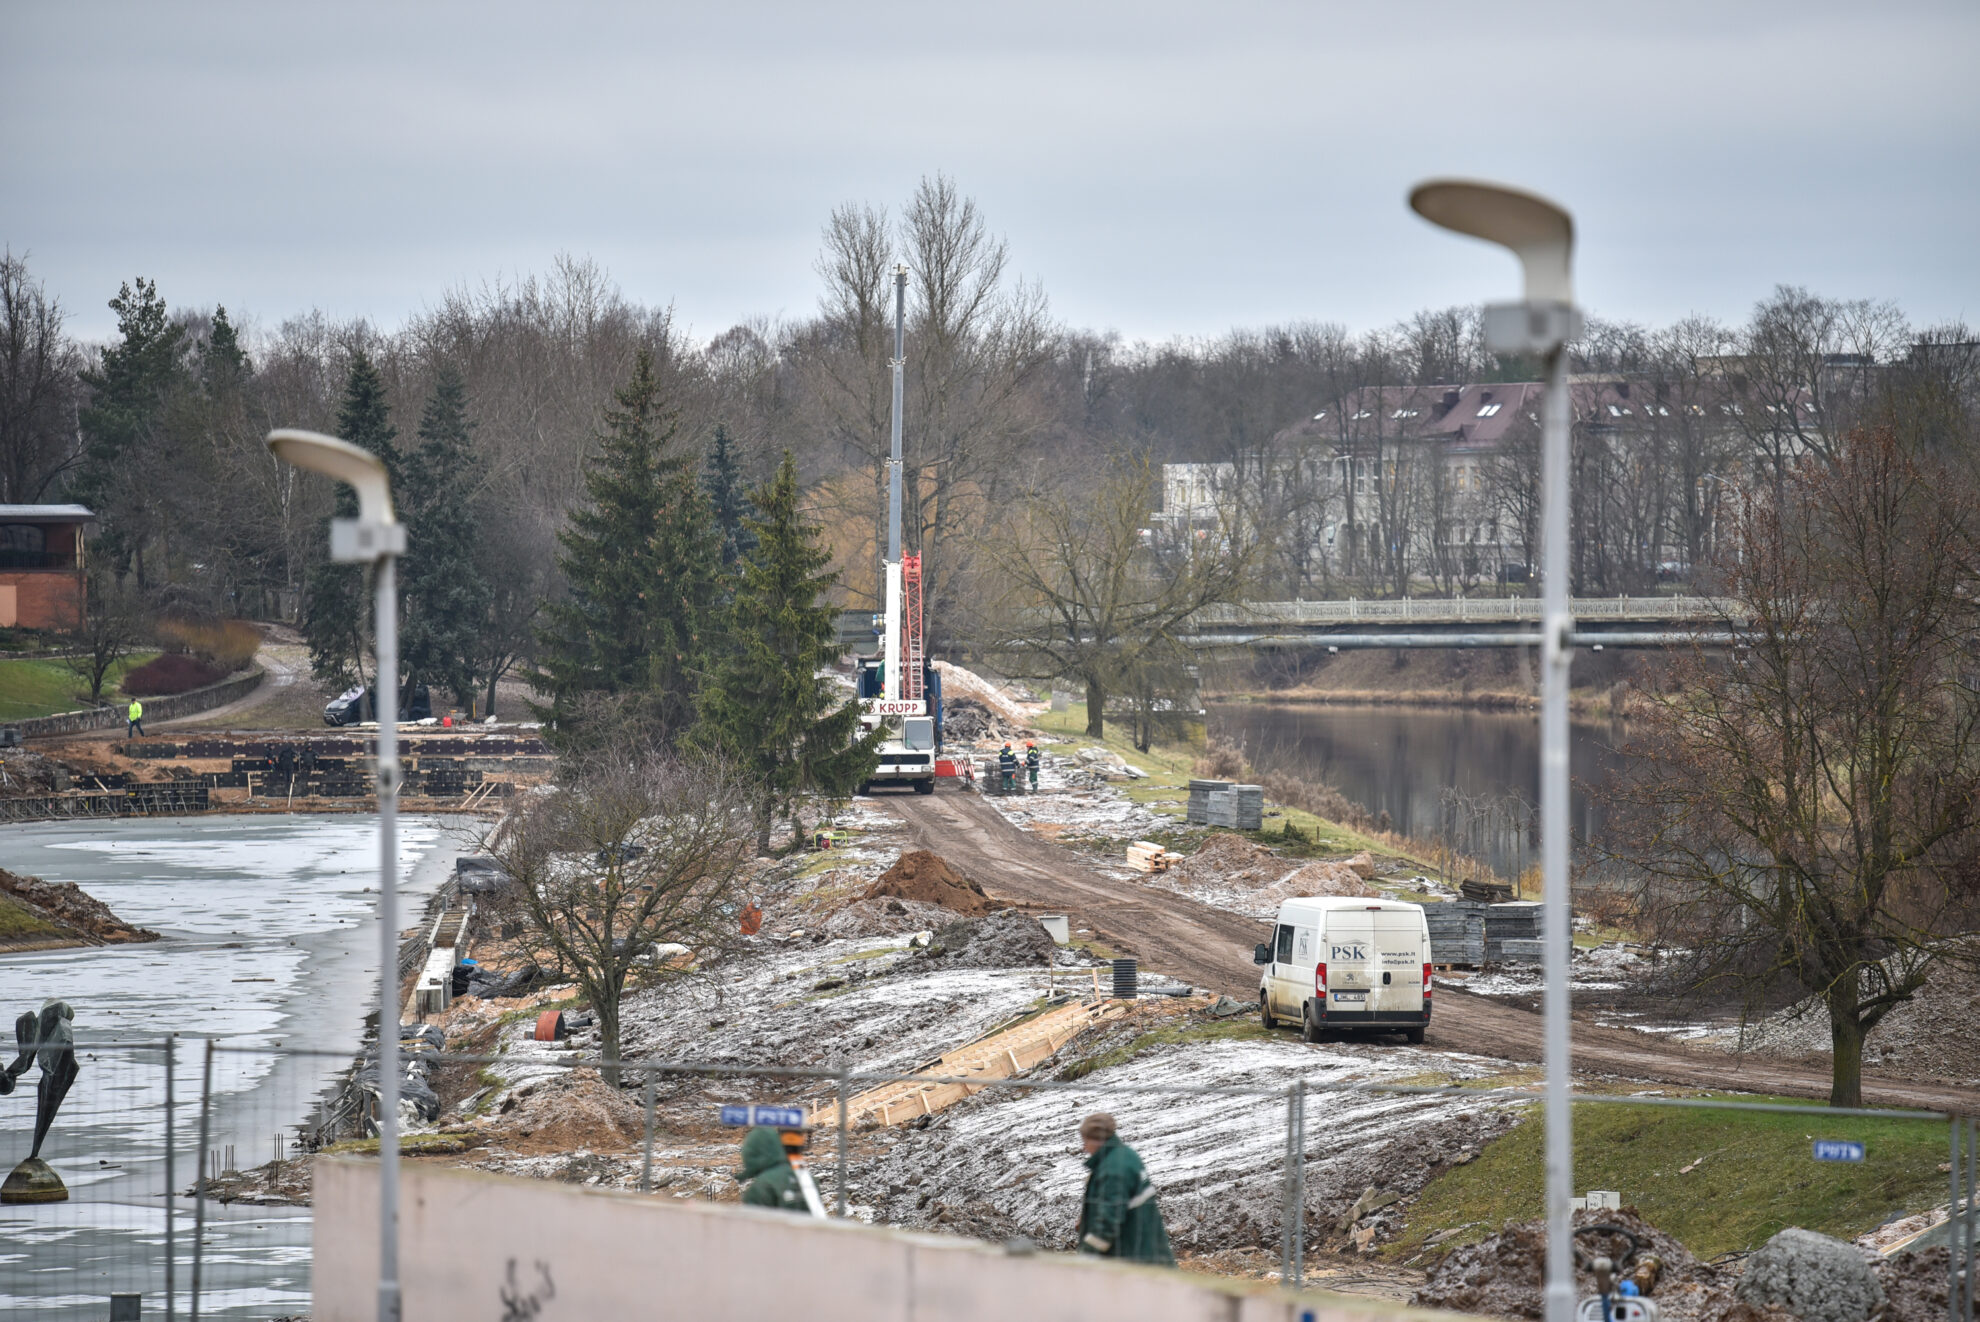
[(1461, 610)]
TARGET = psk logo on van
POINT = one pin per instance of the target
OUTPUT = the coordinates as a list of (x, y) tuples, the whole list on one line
[(1341, 954)]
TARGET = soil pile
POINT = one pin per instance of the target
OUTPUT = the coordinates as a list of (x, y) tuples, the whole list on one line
[(1229, 861), (24, 772), (965, 720), (886, 917), (68, 906), (1914, 1284), (1505, 1274), (565, 1112), (1326, 878), (921, 875), (1013, 709), (1006, 940)]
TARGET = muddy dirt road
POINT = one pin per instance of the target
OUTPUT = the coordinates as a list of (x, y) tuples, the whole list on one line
[(1211, 948)]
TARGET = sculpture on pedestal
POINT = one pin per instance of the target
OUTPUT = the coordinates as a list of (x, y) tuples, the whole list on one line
[(44, 1039)]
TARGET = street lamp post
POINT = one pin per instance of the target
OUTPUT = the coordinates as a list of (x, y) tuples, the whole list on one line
[(375, 537), (1541, 235)]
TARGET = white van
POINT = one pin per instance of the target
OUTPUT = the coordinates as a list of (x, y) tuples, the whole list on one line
[(1347, 964)]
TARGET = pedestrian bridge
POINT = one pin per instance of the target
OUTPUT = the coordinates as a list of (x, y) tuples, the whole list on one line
[(1463, 622)]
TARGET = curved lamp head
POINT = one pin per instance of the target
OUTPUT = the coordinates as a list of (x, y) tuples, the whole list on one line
[(1540, 233), (376, 532)]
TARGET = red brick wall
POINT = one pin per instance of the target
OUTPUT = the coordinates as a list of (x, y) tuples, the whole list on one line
[(46, 598)]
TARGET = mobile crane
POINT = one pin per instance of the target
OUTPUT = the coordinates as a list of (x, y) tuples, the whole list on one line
[(899, 690)]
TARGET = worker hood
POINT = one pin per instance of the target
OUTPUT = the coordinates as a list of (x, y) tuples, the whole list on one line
[(761, 1150)]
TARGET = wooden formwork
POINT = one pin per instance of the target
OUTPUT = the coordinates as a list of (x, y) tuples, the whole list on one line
[(998, 1056)]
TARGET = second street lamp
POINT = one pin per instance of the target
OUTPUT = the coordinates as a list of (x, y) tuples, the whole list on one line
[(375, 537), (1541, 235)]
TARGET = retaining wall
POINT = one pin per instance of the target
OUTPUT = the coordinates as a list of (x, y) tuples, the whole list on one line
[(473, 1244), (155, 709)]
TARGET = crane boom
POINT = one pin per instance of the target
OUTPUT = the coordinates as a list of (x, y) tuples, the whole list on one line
[(891, 641)]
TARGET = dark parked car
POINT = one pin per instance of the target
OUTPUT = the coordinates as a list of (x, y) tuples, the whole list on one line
[(353, 706)]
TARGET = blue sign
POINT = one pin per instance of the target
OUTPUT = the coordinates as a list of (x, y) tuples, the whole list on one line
[(777, 1117), (1837, 1149)]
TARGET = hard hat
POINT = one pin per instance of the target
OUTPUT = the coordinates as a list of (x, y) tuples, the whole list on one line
[(1030, 743)]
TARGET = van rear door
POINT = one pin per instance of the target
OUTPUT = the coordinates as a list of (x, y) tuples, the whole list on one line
[(1400, 953)]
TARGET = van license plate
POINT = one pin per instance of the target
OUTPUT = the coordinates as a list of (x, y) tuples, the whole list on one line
[(1351, 996)]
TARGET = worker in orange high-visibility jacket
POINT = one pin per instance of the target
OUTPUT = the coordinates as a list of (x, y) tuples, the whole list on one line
[(1118, 1217)]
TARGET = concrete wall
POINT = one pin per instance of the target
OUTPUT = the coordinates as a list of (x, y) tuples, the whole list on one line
[(479, 1245), (155, 709)]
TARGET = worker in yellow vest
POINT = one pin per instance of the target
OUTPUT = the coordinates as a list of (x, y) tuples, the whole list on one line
[(136, 719)]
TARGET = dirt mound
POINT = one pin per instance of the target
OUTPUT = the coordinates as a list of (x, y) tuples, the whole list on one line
[(24, 772), (965, 720), (921, 875), (575, 1110), (1006, 940), (1007, 705), (1915, 1284), (1326, 878), (1228, 860), (886, 917), (68, 905), (1505, 1274)]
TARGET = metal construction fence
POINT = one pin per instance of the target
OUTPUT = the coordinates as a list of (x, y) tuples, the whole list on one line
[(187, 1160)]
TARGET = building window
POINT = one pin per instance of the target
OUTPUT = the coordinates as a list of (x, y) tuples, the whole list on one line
[(1488, 410)]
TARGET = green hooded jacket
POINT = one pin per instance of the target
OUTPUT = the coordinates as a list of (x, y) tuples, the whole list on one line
[(767, 1172), (1118, 1217)]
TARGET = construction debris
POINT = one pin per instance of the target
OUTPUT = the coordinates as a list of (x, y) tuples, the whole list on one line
[(1505, 1274), (1147, 856), (1005, 940), (921, 875)]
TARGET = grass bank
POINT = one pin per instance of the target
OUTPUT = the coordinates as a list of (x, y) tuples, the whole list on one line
[(1165, 790), (45, 687), (1719, 1181)]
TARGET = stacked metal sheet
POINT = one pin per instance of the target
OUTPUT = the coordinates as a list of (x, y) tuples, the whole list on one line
[(1457, 932), (1199, 799), (1513, 932), (1241, 807)]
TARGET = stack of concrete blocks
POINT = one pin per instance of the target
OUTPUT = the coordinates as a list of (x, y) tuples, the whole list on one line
[(1457, 932), (1198, 813), (1513, 933), (1241, 807)]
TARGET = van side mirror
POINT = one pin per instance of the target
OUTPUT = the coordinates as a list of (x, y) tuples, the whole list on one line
[(1261, 953)]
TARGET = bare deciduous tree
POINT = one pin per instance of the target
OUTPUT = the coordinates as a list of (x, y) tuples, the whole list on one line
[(637, 850), (38, 365), (1089, 596), (1810, 819)]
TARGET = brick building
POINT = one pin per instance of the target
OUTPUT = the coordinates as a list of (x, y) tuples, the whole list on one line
[(41, 566)]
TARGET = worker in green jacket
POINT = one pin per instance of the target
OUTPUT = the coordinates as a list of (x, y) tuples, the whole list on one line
[(1118, 1217), (134, 718), (767, 1172)]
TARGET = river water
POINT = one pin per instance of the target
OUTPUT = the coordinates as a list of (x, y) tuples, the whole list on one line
[(269, 941), (1472, 776)]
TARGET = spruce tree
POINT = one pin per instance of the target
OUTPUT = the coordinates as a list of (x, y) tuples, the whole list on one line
[(446, 597), (223, 364), (336, 607), (766, 707), (124, 426), (642, 558), (723, 480)]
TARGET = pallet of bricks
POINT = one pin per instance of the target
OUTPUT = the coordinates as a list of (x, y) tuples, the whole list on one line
[(1241, 808), (1198, 812), (1457, 932), (1513, 933)]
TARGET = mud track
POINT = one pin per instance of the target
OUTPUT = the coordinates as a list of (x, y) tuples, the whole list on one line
[(1211, 948)]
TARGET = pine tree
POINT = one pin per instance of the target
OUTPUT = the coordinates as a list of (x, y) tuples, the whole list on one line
[(223, 364), (643, 562), (723, 480), (766, 707), (336, 607), (446, 597)]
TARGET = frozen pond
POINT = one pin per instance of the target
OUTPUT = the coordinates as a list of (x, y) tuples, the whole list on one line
[(269, 940)]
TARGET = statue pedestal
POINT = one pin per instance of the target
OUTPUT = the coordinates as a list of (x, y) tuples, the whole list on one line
[(34, 1181)]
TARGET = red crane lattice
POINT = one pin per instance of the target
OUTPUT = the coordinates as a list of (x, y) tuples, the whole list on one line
[(913, 650)]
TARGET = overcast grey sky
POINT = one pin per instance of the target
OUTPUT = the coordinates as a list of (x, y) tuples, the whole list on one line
[(1164, 169)]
